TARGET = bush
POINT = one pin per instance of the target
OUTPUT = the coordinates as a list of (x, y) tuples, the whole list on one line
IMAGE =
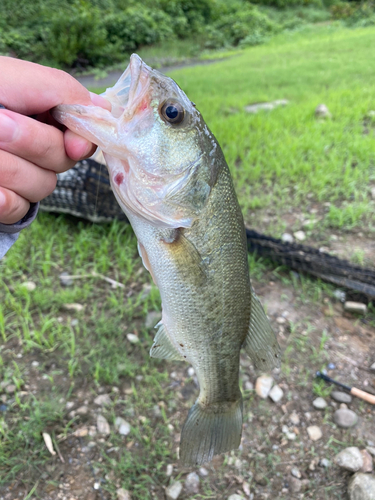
[(247, 24)]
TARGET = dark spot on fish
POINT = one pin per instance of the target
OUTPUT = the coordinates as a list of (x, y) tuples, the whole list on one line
[(154, 346), (119, 178), (182, 345), (184, 356), (193, 103)]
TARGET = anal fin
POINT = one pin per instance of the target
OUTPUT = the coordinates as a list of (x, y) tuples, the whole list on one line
[(261, 344), (162, 347)]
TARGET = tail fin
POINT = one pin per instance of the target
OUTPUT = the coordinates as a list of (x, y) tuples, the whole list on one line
[(210, 430)]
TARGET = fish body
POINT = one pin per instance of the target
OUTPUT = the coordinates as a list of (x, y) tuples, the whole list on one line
[(170, 177)]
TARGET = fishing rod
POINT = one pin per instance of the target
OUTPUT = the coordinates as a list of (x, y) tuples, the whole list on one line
[(366, 396)]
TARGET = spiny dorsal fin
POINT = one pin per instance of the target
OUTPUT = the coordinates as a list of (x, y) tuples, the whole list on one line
[(261, 344), (162, 347)]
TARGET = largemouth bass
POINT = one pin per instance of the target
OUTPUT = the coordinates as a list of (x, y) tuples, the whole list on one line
[(170, 177)]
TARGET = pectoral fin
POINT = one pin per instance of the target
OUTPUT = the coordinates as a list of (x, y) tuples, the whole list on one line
[(162, 347), (261, 344)]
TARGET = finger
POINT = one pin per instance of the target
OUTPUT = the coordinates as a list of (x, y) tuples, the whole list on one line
[(77, 147), (30, 88), (24, 178), (36, 142), (12, 207)]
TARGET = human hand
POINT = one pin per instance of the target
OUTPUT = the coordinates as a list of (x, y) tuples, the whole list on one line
[(32, 151)]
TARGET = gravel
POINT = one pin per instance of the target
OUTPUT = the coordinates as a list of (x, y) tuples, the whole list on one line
[(345, 418), (341, 397), (263, 386), (350, 459), (319, 403), (314, 432), (276, 393)]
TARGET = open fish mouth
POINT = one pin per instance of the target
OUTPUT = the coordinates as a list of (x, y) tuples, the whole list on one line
[(103, 127)]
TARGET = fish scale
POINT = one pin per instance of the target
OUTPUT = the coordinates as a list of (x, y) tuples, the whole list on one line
[(170, 177)]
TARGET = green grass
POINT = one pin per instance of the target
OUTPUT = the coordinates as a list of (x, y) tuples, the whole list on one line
[(280, 161), (278, 158)]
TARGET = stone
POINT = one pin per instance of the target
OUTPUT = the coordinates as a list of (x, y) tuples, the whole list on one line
[(169, 470), (249, 386), (122, 426), (10, 389), (355, 307), (152, 318), (35, 364), (236, 497), (314, 432), (362, 487), (287, 238), (294, 418), (123, 494), (65, 279), (28, 285), (191, 371), (173, 491), (295, 485), (265, 106), (345, 418), (73, 307), (324, 462), (339, 295), (276, 393), (82, 410), (319, 404), (192, 483), (203, 472), (296, 473), (300, 235), (134, 339), (102, 425), (371, 450), (367, 462), (102, 400), (263, 385), (321, 111), (350, 459)]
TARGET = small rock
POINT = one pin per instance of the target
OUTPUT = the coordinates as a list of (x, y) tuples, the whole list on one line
[(28, 285), (343, 405), (296, 473), (300, 235), (280, 320), (249, 386), (314, 432), (103, 425), (263, 386), (82, 410), (339, 295), (294, 418), (192, 482), (350, 459), (11, 388), (345, 418), (123, 494), (173, 491), (122, 426), (362, 487), (169, 470), (331, 366), (73, 307), (102, 400), (321, 111), (81, 432), (324, 462), (152, 318), (367, 461), (355, 307), (191, 371), (35, 364), (373, 193), (132, 338), (319, 403), (236, 497), (291, 436), (295, 485), (69, 405), (65, 279), (276, 393), (287, 238), (260, 479), (203, 472), (371, 450)]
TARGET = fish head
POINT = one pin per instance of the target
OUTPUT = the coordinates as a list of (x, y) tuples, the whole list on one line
[(159, 151)]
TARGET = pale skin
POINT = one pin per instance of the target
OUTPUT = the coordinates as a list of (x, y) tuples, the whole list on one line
[(33, 151)]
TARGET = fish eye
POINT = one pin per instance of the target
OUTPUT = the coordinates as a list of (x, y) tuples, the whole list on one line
[(172, 112)]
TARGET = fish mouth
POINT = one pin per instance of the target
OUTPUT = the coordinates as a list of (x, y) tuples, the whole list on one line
[(108, 129)]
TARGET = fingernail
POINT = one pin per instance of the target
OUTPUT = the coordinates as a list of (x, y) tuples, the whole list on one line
[(98, 100), (8, 128)]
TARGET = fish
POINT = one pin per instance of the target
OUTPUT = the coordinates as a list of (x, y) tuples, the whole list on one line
[(170, 177)]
